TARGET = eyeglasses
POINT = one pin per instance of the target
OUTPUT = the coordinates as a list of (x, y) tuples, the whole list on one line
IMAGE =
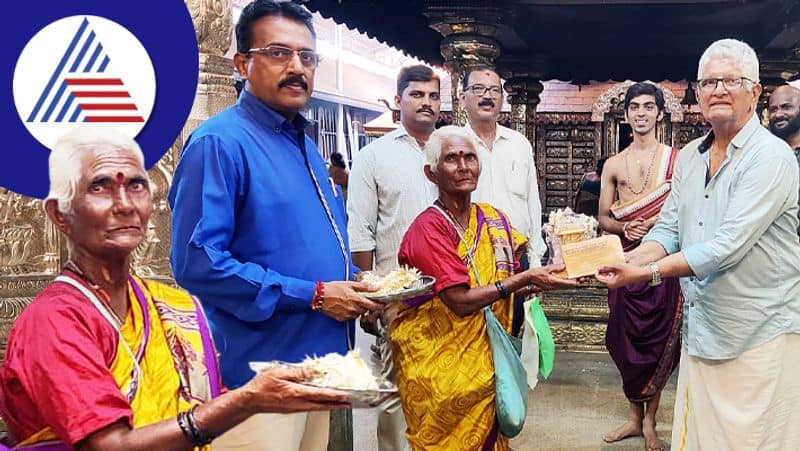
[(708, 85), (480, 90), (282, 55)]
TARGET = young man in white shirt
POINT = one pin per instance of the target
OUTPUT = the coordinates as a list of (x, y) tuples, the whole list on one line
[(387, 190)]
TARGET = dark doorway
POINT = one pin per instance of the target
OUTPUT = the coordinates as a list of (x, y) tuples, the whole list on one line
[(625, 136)]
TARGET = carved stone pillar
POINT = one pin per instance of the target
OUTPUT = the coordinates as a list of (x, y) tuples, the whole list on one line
[(517, 96), (534, 88), (461, 51), (213, 23)]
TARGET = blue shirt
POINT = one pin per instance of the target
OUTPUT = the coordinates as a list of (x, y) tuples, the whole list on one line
[(250, 237), (737, 232)]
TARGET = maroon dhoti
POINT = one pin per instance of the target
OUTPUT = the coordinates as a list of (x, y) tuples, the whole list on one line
[(643, 335)]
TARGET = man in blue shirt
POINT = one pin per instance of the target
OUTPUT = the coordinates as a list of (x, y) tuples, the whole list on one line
[(728, 229), (259, 233)]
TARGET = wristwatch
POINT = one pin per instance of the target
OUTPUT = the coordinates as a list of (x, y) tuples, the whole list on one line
[(656, 274)]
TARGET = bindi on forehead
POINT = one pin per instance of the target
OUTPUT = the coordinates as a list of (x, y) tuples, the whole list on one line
[(483, 77), (459, 149)]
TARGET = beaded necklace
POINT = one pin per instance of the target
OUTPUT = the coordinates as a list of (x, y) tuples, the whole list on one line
[(646, 177)]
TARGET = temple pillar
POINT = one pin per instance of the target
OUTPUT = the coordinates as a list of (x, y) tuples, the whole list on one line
[(517, 97), (524, 90), (534, 88), (213, 23)]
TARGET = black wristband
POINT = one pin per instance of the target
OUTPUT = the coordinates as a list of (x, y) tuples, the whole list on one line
[(501, 289)]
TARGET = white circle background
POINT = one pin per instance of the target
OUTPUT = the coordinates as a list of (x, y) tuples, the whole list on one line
[(129, 61)]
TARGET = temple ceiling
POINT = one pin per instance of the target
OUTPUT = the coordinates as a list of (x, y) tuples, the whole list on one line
[(582, 40)]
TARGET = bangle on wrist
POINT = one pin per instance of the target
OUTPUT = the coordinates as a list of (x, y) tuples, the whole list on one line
[(318, 300), (625, 228), (188, 425), (200, 438), (183, 423), (501, 289)]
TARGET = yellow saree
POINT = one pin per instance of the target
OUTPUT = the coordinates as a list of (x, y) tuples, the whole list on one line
[(445, 369), (165, 361)]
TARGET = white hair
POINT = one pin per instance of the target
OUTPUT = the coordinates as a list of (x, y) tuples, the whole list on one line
[(737, 51), (65, 159), (433, 148)]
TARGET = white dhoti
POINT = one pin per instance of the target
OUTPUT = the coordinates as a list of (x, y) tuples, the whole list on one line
[(748, 403)]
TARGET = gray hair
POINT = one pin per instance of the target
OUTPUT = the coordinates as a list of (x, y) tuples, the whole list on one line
[(433, 148), (739, 52), (65, 160)]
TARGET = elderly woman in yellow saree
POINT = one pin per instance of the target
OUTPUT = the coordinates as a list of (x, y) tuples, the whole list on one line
[(104, 360), (441, 348)]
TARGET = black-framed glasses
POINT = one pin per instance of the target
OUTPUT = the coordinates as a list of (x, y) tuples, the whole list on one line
[(282, 55), (480, 90), (729, 83)]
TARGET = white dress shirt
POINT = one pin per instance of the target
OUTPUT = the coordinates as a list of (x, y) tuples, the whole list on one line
[(386, 191), (508, 182)]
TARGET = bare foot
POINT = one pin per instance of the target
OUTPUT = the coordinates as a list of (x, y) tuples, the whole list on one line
[(629, 428), (651, 440)]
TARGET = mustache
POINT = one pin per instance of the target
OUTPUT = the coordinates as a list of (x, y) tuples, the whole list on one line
[(486, 102), (426, 109), (291, 79)]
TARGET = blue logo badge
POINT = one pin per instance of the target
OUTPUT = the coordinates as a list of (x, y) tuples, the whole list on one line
[(132, 66)]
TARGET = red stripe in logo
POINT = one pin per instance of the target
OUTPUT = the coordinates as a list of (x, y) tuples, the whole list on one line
[(114, 119), (94, 81)]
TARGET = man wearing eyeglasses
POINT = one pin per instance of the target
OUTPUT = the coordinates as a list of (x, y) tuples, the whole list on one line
[(508, 173), (784, 118), (728, 229), (258, 232)]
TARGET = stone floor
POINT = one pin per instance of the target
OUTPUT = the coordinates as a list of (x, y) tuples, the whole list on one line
[(570, 411), (580, 401)]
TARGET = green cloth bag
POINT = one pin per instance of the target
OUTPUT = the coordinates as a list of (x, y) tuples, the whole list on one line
[(547, 348), (510, 379)]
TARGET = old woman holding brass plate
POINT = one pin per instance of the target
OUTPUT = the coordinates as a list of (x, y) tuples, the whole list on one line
[(105, 360)]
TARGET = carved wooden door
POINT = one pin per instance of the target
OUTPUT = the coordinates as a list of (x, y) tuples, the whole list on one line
[(567, 146)]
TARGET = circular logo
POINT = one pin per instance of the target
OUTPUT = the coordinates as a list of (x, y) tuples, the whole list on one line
[(83, 71), (94, 63)]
